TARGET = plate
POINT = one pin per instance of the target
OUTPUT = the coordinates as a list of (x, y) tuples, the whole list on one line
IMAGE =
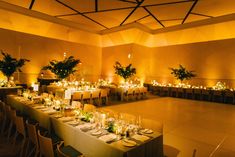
[(66, 119), (128, 143), (74, 122), (58, 116), (146, 131), (96, 132)]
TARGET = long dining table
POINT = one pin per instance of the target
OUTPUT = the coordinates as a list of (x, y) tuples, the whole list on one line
[(84, 141)]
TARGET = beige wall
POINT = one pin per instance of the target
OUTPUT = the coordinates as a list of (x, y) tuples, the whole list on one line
[(40, 50), (213, 61)]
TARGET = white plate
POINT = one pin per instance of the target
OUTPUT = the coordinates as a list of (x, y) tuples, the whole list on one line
[(74, 122), (146, 131), (58, 116), (66, 119), (96, 132), (128, 143)]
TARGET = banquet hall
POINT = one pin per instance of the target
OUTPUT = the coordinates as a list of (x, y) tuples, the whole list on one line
[(117, 78)]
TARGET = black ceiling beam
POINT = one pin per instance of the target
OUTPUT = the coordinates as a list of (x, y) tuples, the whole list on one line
[(106, 10), (154, 16), (137, 6), (96, 5), (201, 14), (31, 4), (169, 3), (81, 14), (128, 1), (171, 20), (190, 10), (142, 18), (66, 15)]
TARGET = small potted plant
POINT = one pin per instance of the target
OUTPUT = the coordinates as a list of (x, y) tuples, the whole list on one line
[(124, 72), (182, 74), (62, 69), (9, 65)]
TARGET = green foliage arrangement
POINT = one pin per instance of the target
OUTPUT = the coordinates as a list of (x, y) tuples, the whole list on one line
[(182, 74), (62, 69), (9, 65), (125, 72)]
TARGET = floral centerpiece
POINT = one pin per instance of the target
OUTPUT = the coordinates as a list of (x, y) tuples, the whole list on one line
[(62, 69)]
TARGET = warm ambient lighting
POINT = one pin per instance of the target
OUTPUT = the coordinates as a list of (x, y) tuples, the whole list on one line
[(219, 86)]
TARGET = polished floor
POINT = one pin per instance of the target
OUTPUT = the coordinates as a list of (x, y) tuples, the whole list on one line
[(207, 127)]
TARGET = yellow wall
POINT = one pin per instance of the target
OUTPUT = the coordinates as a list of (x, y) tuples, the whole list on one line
[(40, 50), (213, 61)]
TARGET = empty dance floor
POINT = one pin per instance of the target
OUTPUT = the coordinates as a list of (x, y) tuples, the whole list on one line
[(207, 127)]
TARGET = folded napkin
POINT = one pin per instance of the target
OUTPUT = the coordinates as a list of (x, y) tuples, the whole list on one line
[(108, 138), (66, 119), (86, 127), (39, 107), (141, 138), (73, 123), (51, 111)]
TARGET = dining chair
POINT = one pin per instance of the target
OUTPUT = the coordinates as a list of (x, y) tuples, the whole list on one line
[(76, 96), (2, 117), (143, 92), (32, 145), (95, 96), (59, 93), (12, 126), (89, 107), (129, 94), (86, 97), (45, 146), (67, 151), (103, 97), (137, 93), (20, 132), (229, 95)]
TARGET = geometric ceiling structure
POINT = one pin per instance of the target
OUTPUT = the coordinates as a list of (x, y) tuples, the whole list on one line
[(102, 15)]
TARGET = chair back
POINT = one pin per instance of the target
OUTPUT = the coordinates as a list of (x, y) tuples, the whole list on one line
[(76, 96), (95, 94), (32, 133), (86, 95), (59, 151), (130, 91), (59, 93), (45, 146), (103, 93), (12, 114), (19, 121), (89, 107)]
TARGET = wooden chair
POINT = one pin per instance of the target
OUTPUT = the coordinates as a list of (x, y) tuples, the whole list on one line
[(59, 93), (67, 151), (12, 116), (95, 95), (137, 93), (45, 146), (103, 96), (3, 117), (33, 145), (76, 96), (20, 131), (89, 107), (143, 92), (217, 95), (229, 95), (86, 97), (129, 94)]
